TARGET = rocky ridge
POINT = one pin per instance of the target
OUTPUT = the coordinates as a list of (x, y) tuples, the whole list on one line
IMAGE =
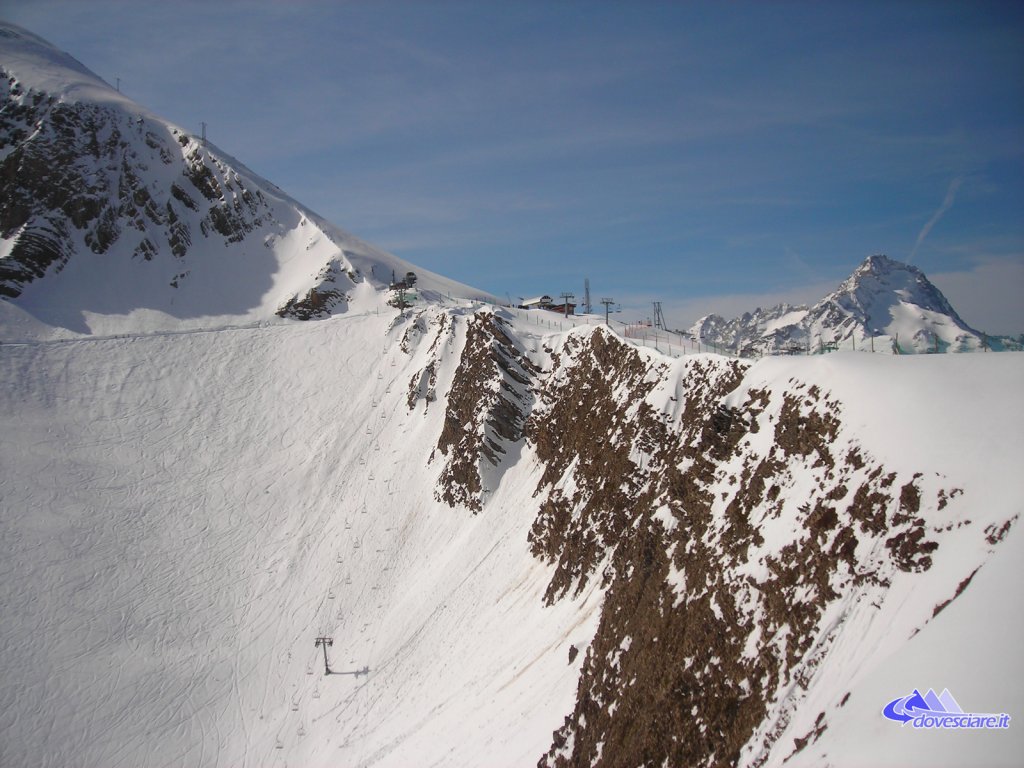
[(724, 589)]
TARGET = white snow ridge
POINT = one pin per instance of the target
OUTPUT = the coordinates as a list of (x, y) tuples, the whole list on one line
[(222, 440)]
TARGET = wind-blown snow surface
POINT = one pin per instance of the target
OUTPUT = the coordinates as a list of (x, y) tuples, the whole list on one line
[(183, 514)]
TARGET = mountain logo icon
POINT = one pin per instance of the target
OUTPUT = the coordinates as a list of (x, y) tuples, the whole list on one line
[(931, 710)]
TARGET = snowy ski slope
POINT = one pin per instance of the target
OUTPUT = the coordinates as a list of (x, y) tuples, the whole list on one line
[(183, 514)]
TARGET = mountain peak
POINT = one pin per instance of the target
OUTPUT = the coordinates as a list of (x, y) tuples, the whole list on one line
[(879, 263), (884, 304), (879, 281), (113, 218)]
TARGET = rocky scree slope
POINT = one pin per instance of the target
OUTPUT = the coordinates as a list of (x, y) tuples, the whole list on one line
[(737, 527)]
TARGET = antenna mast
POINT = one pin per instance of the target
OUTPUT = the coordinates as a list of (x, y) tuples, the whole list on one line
[(659, 318)]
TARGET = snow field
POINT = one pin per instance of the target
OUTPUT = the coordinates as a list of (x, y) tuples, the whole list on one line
[(174, 509)]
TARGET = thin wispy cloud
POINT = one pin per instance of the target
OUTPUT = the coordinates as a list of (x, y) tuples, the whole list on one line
[(947, 203)]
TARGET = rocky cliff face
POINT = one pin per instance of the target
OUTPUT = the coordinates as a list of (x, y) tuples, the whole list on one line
[(672, 484), (487, 405), (77, 174), (717, 580)]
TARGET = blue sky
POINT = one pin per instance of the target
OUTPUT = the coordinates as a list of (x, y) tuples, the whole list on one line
[(712, 156)]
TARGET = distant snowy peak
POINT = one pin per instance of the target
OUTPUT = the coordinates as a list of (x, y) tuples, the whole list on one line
[(112, 218), (883, 306), (772, 324), (880, 282)]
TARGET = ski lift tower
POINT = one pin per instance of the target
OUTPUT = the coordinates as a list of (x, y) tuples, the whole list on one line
[(324, 642), (607, 308), (566, 297)]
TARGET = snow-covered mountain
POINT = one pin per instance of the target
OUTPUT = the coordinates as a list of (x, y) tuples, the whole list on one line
[(884, 306), (539, 545), (517, 543), (112, 218)]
